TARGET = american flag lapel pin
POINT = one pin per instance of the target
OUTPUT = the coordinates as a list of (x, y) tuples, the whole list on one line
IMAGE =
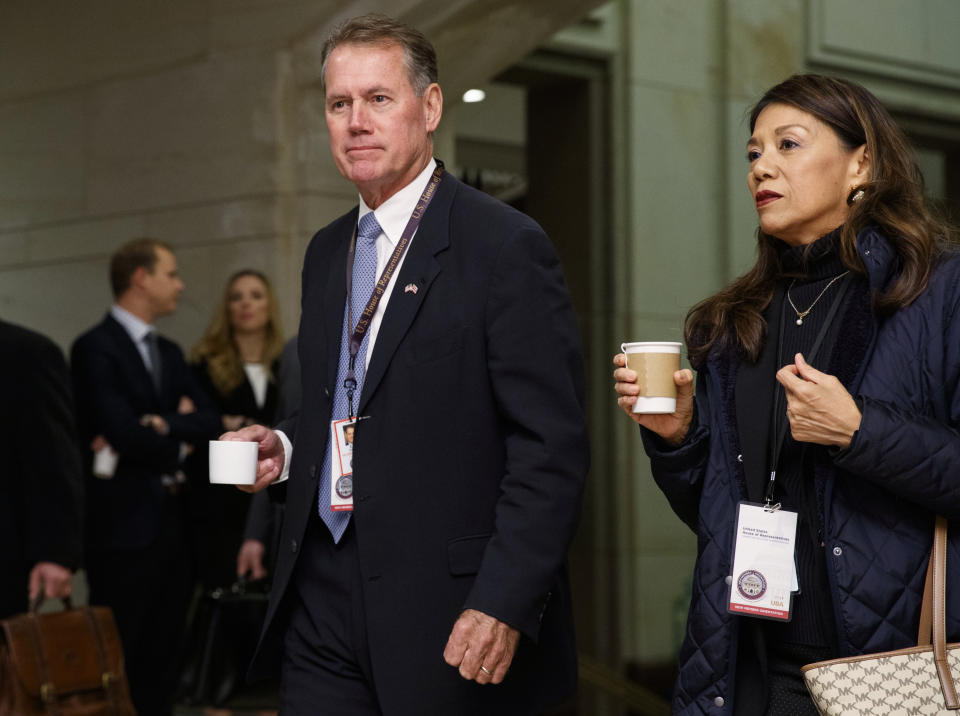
[(411, 288)]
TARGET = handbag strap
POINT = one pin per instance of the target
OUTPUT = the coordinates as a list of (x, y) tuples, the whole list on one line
[(48, 692), (947, 684), (109, 680), (926, 606)]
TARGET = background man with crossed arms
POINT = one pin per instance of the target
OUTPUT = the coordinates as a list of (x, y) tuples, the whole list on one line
[(134, 392)]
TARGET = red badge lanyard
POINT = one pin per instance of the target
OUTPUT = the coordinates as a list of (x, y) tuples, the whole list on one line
[(350, 382)]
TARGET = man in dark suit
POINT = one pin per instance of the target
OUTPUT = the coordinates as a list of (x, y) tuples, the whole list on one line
[(40, 485), (135, 396), (470, 448)]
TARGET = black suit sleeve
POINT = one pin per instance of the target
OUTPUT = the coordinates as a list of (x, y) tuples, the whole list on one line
[(288, 380), (260, 519), (51, 481), (535, 367), (107, 410), (202, 424)]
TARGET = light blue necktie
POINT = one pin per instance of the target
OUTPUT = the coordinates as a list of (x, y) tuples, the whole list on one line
[(364, 280)]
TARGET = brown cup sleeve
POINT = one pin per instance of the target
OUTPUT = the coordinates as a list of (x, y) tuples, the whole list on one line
[(655, 373)]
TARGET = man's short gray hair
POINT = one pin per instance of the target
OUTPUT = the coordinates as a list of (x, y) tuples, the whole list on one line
[(376, 29)]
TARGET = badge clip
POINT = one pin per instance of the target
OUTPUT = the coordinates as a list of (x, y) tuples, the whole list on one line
[(768, 497)]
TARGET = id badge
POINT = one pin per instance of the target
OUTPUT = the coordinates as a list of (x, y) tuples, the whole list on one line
[(764, 567), (341, 464)]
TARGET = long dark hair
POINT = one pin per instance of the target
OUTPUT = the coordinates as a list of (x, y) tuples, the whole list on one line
[(893, 201)]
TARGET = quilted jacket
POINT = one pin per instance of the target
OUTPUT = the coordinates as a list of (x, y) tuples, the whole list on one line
[(878, 496)]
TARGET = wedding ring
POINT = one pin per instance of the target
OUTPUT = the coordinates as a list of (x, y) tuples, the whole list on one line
[(486, 671)]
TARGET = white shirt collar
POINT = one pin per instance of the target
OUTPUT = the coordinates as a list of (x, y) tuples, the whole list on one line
[(394, 213), (133, 325)]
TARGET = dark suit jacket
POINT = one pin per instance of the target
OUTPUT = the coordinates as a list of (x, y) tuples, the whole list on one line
[(113, 390), (471, 451), (288, 380), (40, 484)]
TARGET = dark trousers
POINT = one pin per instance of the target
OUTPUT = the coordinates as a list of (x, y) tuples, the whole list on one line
[(149, 592), (768, 677), (326, 660)]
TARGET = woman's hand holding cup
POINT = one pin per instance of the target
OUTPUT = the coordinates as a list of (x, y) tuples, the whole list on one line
[(672, 427)]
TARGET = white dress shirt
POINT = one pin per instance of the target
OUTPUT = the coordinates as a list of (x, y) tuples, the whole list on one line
[(392, 215), (136, 329), (257, 377)]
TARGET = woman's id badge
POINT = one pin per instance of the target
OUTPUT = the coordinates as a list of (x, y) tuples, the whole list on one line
[(341, 464), (764, 571)]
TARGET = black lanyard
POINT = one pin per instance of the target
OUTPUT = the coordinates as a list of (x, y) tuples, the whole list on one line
[(350, 382), (780, 421)]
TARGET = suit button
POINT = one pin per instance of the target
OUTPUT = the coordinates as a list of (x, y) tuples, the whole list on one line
[(718, 702), (837, 551), (313, 471), (293, 545), (326, 391)]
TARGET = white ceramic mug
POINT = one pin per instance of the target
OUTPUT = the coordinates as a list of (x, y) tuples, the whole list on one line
[(233, 462), (654, 362)]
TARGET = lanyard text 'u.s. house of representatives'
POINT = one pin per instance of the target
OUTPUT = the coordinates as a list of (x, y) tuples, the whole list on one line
[(350, 382)]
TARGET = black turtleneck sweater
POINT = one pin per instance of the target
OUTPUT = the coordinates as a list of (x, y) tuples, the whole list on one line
[(761, 413)]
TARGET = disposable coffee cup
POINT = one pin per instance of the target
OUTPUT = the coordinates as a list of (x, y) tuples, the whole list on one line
[(105, 462), (654, 362), (233, 462)]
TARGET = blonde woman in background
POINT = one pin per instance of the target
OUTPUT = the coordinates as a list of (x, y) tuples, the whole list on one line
[(235, 363)]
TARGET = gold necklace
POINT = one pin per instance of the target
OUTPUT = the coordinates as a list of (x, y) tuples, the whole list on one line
[(803, 314)]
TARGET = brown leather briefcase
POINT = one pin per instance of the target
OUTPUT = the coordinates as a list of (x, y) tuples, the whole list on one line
[(68, 663)]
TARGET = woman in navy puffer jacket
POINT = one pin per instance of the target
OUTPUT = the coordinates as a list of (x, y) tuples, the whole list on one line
[(835, 363)]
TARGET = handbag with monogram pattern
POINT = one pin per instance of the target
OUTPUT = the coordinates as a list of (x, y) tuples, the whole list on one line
[(916, 680)]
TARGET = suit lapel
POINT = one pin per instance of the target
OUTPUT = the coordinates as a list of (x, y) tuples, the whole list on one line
[(419, 269), (335, 299), (130, 355)]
